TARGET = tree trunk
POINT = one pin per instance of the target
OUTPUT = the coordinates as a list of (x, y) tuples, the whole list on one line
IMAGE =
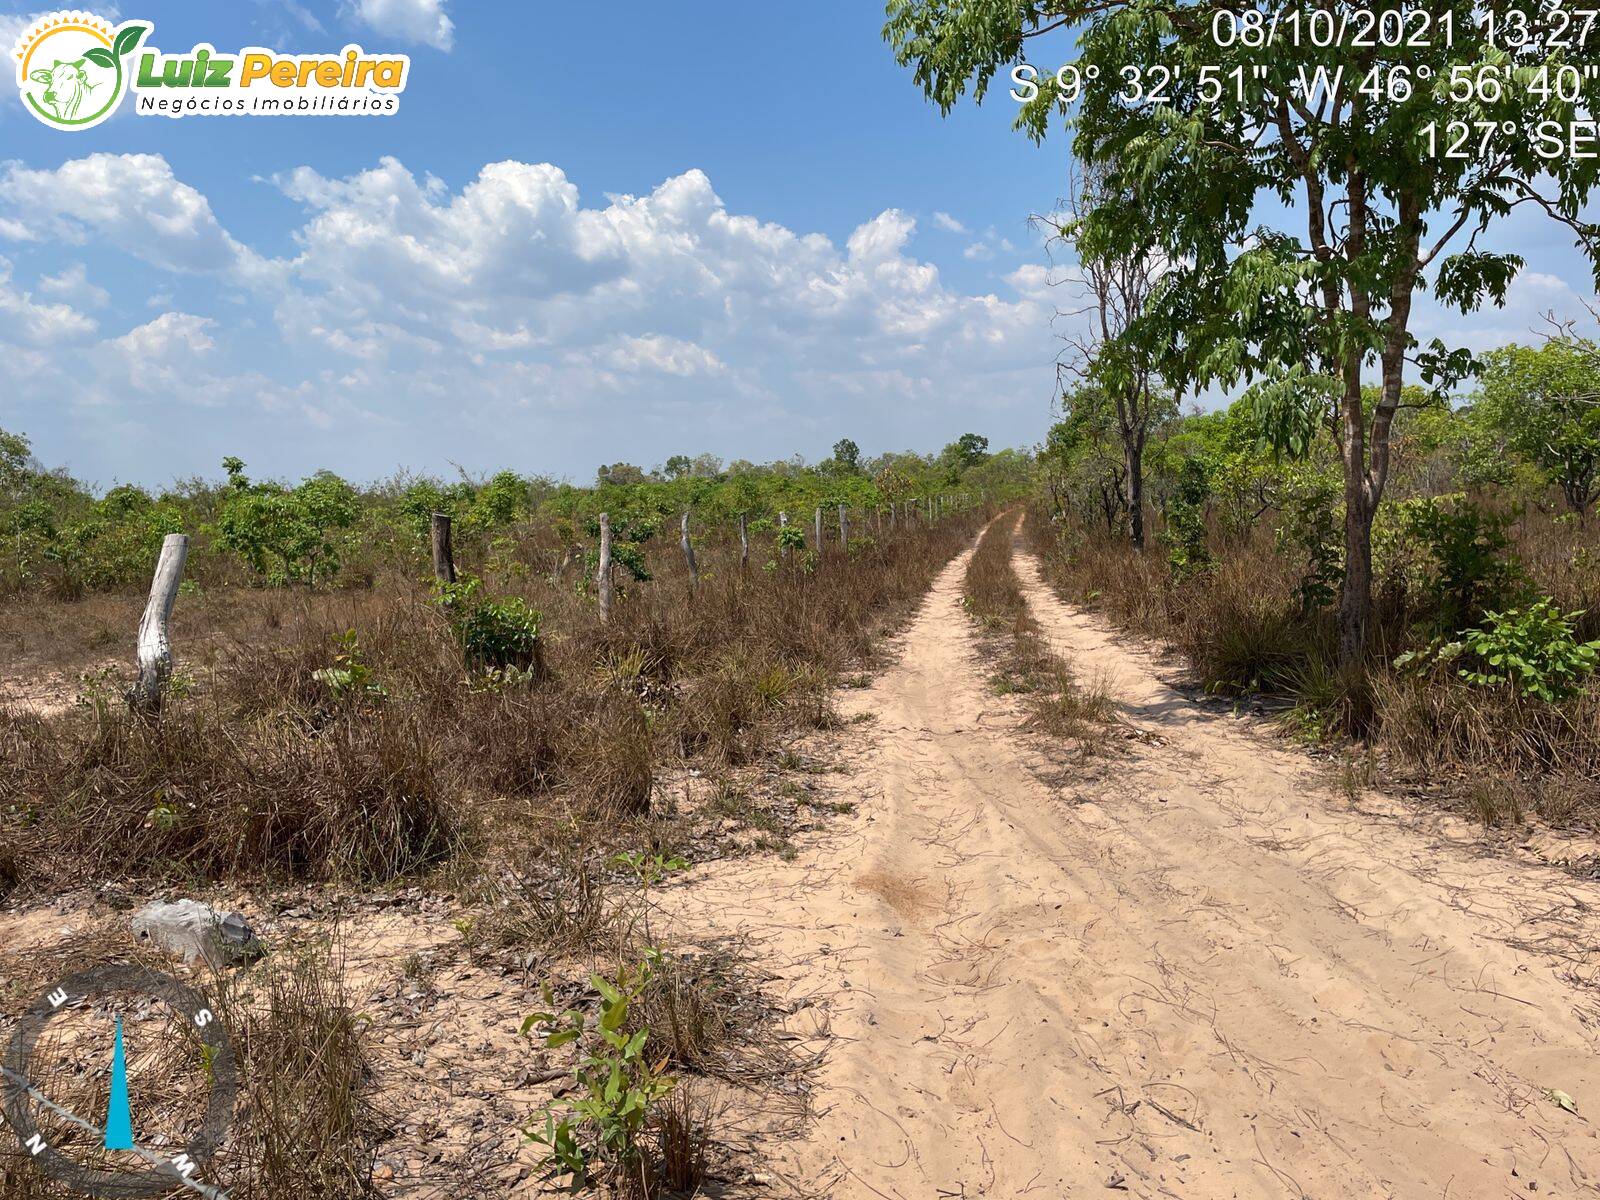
[(444, 560), (603, 574), (688, 555), (1355, 594), (155, 645), (1133, 482)]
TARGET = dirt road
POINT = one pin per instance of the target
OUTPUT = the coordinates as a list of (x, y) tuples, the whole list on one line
[(1197, 968)]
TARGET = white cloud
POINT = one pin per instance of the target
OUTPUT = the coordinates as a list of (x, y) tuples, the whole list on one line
[(129, 200), (173, 336), (72, 285), (421, 21), (948, 223), (25, 321), (670, 356), (522, 311)]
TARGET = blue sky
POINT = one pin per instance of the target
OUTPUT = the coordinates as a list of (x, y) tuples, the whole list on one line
[(684, 228)]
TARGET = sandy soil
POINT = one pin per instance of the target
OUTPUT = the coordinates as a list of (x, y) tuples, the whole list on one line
[(1198, 967)]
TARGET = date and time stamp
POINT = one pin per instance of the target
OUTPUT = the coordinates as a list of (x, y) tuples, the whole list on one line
[(1565, 41)]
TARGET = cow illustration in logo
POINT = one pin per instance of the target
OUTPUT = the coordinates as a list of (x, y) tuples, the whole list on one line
[(71, 69)]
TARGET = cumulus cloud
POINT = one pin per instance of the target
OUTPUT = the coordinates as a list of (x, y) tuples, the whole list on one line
[(28, 322), (949, 224), (72, 285), (422, 21), (513, 303), (393, 268), (131, 200)]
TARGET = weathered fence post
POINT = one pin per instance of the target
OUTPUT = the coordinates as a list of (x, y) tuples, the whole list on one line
[(744, 542), (844, 527), (603, 574), (688, 555), (783, 546), (155, 644), (892, 506), (817, 526), (444, 561)]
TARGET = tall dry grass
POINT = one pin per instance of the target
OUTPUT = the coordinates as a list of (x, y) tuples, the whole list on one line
[(1242, 628), (258, 768)]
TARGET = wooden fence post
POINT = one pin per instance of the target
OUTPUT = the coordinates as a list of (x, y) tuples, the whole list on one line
[(444, 562), (844, 527), (744, 542), (155, 643), (688, 555), (783, 546), (892, 506), (603, 575), (817, 526)]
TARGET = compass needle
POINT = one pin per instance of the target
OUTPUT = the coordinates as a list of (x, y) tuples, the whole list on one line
[(119, 1116)]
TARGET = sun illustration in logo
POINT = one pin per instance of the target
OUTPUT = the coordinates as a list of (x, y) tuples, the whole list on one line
[(71, 67)]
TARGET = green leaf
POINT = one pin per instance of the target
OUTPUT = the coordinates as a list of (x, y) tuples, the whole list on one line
[(561, 1038), (100, 57), (128, 39)]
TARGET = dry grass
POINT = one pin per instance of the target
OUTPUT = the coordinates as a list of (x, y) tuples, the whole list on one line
[(1059, 704), (258, 768), (302, 1123), (1242, 628)]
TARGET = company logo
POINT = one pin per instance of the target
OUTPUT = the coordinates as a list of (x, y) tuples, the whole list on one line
[(75, 69)]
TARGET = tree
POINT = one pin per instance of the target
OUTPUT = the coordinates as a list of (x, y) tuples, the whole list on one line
[(1302, 211), (847, 454), (966, 451), (1115, 285), (1546, 403), (286, 534), (1082, 458), (619, 474)]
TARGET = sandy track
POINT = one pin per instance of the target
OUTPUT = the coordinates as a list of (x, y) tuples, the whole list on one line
[(1196, 969)]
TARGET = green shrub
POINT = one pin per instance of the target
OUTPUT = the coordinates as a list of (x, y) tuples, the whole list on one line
[(1185, 535), (284, 534), (1531, 650), (495, 634), (1470, 567), (618, 1087)]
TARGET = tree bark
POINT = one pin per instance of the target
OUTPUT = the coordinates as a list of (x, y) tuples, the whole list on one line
[(1133, 481), (155, 645), (444, 562), (603, 573), (688, 554), (1355, 594)]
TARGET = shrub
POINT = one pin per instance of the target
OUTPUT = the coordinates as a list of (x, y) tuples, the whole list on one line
[(619, 1088), (1531, 650), (1185, 535), (498, 634), (1470, 567)]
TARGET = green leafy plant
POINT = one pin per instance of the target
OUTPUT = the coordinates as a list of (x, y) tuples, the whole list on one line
[(1310, 521), (790, 538), (600, 1132), (1185, 535), (1531, 650), (1470, 567), (496, 635), (350, 675), (286, 534)]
